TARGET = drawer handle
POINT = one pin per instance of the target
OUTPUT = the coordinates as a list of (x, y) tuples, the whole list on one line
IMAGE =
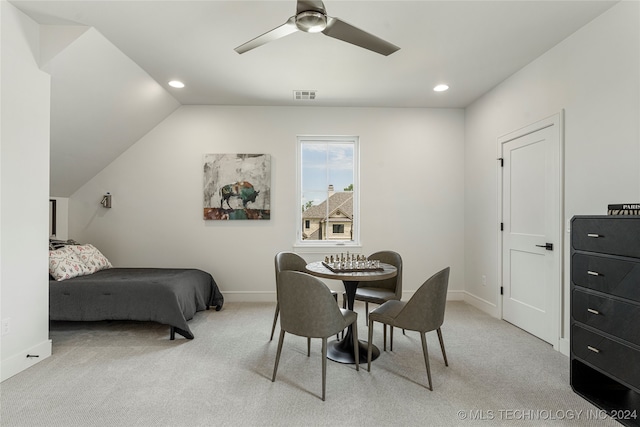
[(594, 235), (592, 311), (593, 273), (595, 350)]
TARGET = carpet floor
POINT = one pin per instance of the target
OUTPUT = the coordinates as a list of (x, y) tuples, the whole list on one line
[(130, 374)]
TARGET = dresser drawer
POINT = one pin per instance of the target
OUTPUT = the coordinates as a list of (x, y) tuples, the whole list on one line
[(613, 276), (614, 317), (616, 235), (618, 360)]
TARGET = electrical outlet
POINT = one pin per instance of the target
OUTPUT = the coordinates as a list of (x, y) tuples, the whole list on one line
[(484, 280), (6, 326)]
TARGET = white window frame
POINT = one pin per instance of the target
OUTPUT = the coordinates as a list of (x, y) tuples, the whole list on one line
[(355, 242)]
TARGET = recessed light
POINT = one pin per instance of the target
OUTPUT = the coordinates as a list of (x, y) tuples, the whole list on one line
[(441, 88), (177, 84)]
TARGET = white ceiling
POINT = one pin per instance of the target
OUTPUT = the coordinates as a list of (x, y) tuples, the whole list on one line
[(469, 45)]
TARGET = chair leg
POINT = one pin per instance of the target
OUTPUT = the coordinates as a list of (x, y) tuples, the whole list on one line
[(444, 354), (275, 319), (308, 347), (356, 345), (366, 312), (369, 348), (423, 335), (344, 306), (391, 339), (324, 366), (275, 367), (336, 297), (384, 336)]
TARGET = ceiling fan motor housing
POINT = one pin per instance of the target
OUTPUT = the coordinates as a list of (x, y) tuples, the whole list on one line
[(311, 21)]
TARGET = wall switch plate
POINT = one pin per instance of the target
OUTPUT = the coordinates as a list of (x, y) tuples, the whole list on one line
[(484, 280), (6, 326)]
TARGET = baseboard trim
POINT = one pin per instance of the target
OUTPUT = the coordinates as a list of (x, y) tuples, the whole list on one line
[(482, 304), (563, 346), (18, 363), (455, 295), (249, 296), (270, 296)]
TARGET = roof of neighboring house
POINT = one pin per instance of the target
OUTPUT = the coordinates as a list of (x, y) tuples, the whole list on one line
[(341, 201), (313, 236)]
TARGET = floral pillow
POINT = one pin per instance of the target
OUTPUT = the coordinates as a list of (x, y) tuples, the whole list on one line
[(91, 257), (64, 264)]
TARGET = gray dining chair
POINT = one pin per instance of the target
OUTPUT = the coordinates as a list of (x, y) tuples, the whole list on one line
[(381, 291), (423, 312), (289, 261), (307, 309)]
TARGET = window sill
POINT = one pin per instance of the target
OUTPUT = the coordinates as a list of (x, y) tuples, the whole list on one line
[(328, 247)]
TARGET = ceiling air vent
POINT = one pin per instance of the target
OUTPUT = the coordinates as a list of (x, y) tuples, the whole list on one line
[(304, 95)]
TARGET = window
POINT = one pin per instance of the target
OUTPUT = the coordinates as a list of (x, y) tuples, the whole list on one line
[(328, 187)]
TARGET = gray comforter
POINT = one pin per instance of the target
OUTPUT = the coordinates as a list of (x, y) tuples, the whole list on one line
[(163, 295)]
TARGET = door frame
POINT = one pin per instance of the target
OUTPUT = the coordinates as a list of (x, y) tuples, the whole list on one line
[(556, 120)]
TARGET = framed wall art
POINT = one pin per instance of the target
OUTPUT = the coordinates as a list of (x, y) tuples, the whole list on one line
[(237, 186)]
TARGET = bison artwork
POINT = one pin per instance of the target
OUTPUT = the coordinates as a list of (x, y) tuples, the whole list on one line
[(242, 190)]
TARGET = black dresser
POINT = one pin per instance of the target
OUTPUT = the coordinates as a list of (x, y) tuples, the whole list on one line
[(605, 314)]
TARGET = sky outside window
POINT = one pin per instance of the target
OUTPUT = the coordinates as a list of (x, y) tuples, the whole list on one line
[(325, 164)]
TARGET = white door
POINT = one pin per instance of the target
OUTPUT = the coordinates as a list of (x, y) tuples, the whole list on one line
[(531, 236)]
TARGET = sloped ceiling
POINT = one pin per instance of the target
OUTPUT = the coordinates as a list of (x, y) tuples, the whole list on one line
[(109, 85), (101, 103)]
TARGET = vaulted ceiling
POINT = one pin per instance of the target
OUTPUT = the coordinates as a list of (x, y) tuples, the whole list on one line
[(110, 61)]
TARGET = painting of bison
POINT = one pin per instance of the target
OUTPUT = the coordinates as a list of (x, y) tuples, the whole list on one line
[(237, 186)]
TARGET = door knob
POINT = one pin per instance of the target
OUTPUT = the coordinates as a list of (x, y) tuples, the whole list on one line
[(547, 246)]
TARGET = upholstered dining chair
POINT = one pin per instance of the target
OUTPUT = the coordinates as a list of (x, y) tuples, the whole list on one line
[(289, 261), (308, 309), (381, 291), (423, 312)]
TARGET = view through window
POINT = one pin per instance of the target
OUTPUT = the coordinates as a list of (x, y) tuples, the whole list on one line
[(328, 172)]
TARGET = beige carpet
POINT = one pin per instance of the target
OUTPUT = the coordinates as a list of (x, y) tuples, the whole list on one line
[(130, 374)]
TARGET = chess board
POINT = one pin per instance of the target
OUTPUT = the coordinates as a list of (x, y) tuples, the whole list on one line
[(350, 270)]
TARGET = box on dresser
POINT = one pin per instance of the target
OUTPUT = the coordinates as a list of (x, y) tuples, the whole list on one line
[(605, 314), (624, 209)]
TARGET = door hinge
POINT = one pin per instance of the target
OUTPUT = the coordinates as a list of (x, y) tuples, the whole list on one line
[(502, 226), (501, 160), (501, 290)]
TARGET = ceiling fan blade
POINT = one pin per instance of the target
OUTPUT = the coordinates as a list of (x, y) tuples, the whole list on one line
[(348, 33), (285, 29), (306, 5)]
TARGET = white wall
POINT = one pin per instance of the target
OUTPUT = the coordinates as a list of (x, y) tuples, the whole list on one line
[(24, 203), (411, 178), (594, 76)]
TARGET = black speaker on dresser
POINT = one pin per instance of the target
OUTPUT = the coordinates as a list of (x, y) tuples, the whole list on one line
[(605, 314)]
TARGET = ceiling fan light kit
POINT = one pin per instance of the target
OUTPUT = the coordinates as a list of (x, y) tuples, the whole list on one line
[(311, 17)]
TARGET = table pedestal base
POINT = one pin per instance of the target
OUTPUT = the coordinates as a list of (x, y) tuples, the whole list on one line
[(342, 351)]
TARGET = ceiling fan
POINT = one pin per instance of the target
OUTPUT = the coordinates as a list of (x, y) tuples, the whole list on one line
[(311, 17)]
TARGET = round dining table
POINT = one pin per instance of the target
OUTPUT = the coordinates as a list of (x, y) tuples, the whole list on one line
[(343, 350)]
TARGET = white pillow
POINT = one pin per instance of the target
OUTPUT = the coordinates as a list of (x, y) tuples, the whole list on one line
[(91, 257), (64, 264)]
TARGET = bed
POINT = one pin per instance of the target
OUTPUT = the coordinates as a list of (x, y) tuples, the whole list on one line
[(168, 296)]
